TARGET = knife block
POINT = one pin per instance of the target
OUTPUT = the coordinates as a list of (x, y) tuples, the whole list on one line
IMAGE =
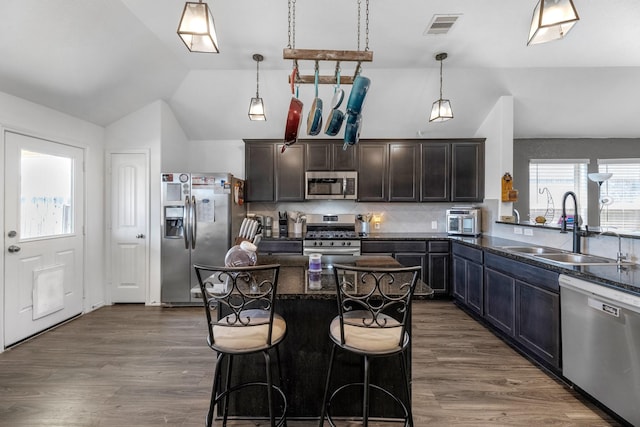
[(283, 228)]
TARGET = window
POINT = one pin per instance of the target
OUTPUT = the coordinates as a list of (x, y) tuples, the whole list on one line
[(549, 180), (45, 203), (620, 194)]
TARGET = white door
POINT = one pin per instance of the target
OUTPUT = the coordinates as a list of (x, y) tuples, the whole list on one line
[(129, 241), (44, 228)]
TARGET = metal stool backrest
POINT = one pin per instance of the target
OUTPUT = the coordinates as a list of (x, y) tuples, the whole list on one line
[(379, 292), (236, 290)]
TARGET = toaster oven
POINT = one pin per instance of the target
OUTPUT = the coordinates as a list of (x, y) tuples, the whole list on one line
[(464, 221)]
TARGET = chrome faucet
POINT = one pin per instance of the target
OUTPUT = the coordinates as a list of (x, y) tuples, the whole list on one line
[(576, 221), (619, 256), (517, 215)]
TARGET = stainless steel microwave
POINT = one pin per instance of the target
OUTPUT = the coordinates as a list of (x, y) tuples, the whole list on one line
[(464, 221), (338, 185)]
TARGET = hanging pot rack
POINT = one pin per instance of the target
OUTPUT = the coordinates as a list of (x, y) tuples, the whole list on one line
[(317, 55)]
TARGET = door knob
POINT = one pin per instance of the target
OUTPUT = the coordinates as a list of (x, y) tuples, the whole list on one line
[(14, 248), (140, 236)]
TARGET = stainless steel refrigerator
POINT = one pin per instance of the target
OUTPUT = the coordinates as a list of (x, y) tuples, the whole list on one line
[(201, 215)]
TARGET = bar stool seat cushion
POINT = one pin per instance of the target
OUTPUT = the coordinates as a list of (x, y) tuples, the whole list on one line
[(249, 337), (373, 338)]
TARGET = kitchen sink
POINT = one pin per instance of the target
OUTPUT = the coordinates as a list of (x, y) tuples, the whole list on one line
[(576, 259), (560, 256), (533, 250)]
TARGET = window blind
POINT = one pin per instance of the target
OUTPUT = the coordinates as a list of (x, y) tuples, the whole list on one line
[(620, 194), (549, 180)]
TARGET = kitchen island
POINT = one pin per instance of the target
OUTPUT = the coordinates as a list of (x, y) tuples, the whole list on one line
[(306, 349)]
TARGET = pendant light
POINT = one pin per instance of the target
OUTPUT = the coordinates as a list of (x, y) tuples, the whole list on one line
[(441, 109), (197, 29), (256, 108), (552, 20)]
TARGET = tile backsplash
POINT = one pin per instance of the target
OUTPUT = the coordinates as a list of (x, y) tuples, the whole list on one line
[(395, 217)]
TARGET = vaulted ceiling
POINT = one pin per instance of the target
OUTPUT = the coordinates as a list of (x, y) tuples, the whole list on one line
[(100, 60)]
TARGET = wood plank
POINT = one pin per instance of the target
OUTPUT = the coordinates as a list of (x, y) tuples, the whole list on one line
[(328, 55)]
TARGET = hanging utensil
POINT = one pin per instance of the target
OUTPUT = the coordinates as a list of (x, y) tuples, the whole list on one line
[(336, 117), (314, 120), (294, 115)]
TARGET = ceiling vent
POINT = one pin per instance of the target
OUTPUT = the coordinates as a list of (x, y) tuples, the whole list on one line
[(441, 24)]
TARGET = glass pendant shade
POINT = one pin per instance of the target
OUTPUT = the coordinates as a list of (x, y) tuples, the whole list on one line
[(552, 20), (256, 109), (197, 29), (441, 111)]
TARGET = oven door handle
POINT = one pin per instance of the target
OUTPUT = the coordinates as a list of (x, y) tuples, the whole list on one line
[(331, 251)]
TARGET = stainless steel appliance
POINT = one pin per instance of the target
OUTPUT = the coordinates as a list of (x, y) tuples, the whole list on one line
[(464, 221), (338, 185), (601, 344), (201, 215), (331, 234)]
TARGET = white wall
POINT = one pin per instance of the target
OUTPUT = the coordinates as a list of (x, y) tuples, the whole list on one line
[(217, 156), (39, 121)]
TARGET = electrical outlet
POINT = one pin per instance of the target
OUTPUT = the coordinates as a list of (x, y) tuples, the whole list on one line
[(517, 230), (376, 225), (528, 232), (434, 225)]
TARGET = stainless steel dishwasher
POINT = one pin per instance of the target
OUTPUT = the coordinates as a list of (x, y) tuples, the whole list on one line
[(601, 344)]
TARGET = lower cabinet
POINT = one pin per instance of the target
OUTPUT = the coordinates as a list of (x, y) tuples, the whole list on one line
[(468, 279), (523, 302), (280, 247), (432, 255)]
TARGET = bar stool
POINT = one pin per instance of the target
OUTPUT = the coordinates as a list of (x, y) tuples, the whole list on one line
[(374, 309), (245, 323)]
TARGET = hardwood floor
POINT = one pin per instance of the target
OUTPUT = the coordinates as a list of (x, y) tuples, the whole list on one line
[(130, 365)]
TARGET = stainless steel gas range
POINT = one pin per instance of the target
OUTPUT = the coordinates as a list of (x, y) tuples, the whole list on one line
[(331, 234)]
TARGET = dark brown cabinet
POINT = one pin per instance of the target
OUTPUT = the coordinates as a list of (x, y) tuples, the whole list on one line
[(280, 247), (323, 156), (372, 172), (468, 280), (436, 171), (290, 174), (260, 172), (523, 302), (388, 171), (404, 172), (467, 171), (437, 276), (431, 255), (273, 176)]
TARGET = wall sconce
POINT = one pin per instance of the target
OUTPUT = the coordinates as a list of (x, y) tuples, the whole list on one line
[(441, 109), (196, 28), (552, 20), (256, 108)]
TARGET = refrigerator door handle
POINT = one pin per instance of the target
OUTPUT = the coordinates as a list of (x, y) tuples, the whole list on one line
[(186, 219), (194, 223)]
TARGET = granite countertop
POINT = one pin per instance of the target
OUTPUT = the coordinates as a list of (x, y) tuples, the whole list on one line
[(294, 284), (626, 279)]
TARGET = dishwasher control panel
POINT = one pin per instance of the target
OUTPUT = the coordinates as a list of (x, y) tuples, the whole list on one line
[(600, 290)]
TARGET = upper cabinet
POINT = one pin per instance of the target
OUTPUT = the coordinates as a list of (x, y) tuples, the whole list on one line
[(404, 172), (273, 176), (467, 171), (330, 156), (372, 171), (259, 164), (452, 171), (388, 171), (436, 170)]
